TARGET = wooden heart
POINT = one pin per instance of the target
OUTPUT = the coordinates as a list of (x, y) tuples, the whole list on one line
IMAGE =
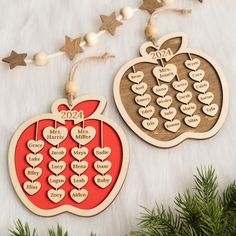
[(55, 135), (57, 153), (193, 64), (33, 173), (103, 180), (79, 167), (139, 88), (56, 195), (102, 166), (173, 126), (180, 85), (79, 181), (166, 73), (56, 181), (83, 135), (164, 102), (210, 110), (184, 97), (79, 195), (201, 87), (206, 98), (34, 159), (188, 109), (57, 167), (146, 112), (35, 146), (160, 90), (136, 77), (197, 75), (150, 124), (192, 121), (31, 187), (143, 100), (79, 153), (102, 153), (169, 114)]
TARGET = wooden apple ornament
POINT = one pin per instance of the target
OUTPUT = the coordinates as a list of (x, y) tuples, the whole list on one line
[(71, 160), (171, 93)]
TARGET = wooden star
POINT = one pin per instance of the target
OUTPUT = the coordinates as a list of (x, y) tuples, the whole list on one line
[(15, 59), (110, 23), (71, 47), (151, 5)]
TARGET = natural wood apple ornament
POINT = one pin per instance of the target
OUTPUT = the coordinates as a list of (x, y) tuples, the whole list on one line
[(73, 159), (171, 93)]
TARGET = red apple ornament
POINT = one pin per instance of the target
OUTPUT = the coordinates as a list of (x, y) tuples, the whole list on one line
[(71, 160)]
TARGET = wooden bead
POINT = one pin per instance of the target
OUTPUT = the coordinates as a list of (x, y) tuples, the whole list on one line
[(91, 38), (167, 2), (127, 13), (40, 58), (151, 31), (71, 88)]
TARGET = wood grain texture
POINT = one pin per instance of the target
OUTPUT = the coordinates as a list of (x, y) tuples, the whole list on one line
[(181, 54)]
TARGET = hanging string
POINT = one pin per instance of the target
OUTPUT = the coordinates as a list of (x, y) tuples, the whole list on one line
[(150, 30), (70, 86)]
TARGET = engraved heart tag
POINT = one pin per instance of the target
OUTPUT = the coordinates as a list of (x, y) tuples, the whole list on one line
[(102, 167), (102, 153), (56, 195), (35, 146), (31, 187), (83, 135), (79, 153), (103, 180), (166, 73), (57, 153), (136, 77), (34, 159), (150, 124), (55, 135), (79, 181), (79, 195)]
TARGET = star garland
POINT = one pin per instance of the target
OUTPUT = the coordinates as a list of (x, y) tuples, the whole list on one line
[(72, 47)]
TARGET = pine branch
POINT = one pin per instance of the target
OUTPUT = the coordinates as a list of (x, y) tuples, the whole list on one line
[(59, 232), (201, 212), (22, 230)]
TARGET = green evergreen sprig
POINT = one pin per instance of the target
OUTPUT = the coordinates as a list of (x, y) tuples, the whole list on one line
[(201, 212)]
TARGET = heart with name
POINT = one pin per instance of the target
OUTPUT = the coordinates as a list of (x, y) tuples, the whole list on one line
[(169, 114), (211, 110), (35, 146), (57, 153), (55, 135), (146, 112), (102, 166), (180, 85), (79, 195), (188, 109), (136, 77), (197, 75), (83, 135), (79, 181), (103, 180), (160, 90), (56, 181), (33, 173), (139, 88), (150, 124), (56, 195), (192, 121), (57, 167), (143, 100), (166, 73), (164, 102), (173, 126), (206, 98), (201, 87), (79, 153), (79, 167), (102, 153), (32, 187), (34, 159), (193, 64), (184, 97)]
